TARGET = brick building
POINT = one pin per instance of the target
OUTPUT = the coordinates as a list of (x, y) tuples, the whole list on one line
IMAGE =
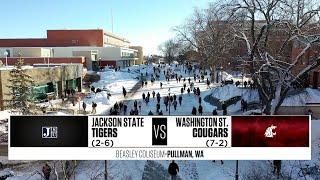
[(98, 47)]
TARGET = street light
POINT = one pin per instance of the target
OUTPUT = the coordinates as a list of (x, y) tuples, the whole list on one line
[(237, 170), (6, 54), (169, 102), (221, 73)]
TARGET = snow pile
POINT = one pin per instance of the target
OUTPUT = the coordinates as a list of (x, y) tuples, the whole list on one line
[(229, 91), (307, 96), (99, 98), (226, 76), (112, 80)]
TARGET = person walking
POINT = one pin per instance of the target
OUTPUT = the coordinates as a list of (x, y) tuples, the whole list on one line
[(277, 167), (84, 106), (175, 103), (124, 91), (166, 102), (200, 110), (198, 91), (158, 107), (153, 94), (94, 106), (194, 111), (135, 104), (180, 100), (158, 98), (161, 85), (143, 96), (150, 113), (208, 84), (173, 170), (161, 113), (174, 97), (200, 99), (242, 105), (46, 170), (125, 108), (188, 90), (214, 112), (139, 105)]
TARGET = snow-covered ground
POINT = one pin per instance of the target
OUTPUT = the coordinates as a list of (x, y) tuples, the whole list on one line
[(307, 96), (113, 81)]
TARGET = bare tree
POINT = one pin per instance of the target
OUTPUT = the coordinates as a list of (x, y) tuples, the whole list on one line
[(209, 33), (272, 71), (169, 49)]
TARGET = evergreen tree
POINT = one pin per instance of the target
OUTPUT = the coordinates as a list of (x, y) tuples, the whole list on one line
[(20, 85)]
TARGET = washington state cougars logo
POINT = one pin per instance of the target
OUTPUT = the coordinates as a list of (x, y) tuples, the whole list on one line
[(269, 131)]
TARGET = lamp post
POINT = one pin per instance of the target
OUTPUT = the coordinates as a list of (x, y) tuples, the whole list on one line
[(105, 169), (6, 54), (237, 170), (169, 102), (221, 73)]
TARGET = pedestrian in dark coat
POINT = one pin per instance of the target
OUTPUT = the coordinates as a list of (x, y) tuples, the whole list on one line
[(200, 99), (242, 105), (161, 113), (194, 111), (214, 112), (180, 100), (46, 170), (124, 92), (84, 106), (171, 99), (225, 112), (158, 107), (277, 167), (198, 91), (173, 170), (125, 109), (150, 113), (175, 104), (200, 110), (153, 94), (143, 96)]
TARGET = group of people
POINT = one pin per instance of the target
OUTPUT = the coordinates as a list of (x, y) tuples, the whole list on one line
[(246, 84), (118, 108)]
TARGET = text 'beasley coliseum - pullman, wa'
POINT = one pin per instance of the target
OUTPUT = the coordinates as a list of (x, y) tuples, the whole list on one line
[(215, 127)]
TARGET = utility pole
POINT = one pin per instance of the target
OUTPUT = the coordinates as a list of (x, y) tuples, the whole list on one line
[(237, 170), (111, 20), (105, 170)]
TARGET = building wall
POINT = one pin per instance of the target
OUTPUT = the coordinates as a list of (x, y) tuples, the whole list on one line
[(30, 52), (41, 42), (88, 57), (62, 38), (91, 37), (41, 76), (139, 54), (40, 60), (111, 39)]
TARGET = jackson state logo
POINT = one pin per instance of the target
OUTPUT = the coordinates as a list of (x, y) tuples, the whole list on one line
[(49, 132), (269, 131)]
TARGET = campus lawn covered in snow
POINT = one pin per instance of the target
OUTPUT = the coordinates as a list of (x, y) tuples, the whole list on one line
[(113, 81)]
